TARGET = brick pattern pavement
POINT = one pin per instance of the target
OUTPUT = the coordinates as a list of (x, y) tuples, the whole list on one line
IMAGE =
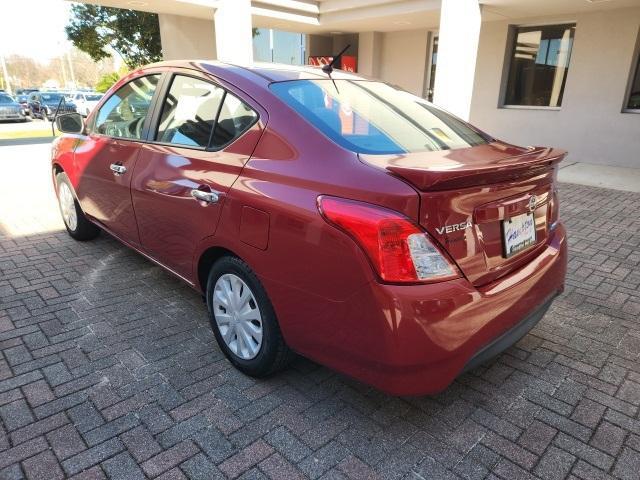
[(108, 369)]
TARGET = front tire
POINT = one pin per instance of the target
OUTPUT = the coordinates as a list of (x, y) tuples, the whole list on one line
[(243, 319), (76, 223)]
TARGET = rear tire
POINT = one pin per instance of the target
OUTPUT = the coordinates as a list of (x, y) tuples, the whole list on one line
[(243, 320), (75, 221)]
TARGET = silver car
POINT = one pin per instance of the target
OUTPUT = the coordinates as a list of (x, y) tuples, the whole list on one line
[(10, 109)]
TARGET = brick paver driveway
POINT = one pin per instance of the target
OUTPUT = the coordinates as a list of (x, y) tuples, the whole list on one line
[(108, 368)]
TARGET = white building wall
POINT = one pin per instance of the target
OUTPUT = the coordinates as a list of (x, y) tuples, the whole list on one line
[(187, 37), (590, 123), (403, 59)]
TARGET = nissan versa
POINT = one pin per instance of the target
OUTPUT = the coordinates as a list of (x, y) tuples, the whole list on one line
[(325, 214)]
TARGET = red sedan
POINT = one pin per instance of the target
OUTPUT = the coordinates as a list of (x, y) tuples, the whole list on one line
[(337, 217)]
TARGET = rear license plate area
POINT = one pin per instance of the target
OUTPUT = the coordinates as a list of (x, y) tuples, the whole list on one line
[(518, 234)]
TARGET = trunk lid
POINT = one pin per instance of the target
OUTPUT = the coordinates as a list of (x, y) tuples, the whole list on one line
[(466, 195)]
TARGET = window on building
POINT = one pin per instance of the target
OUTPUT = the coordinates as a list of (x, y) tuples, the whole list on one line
[(189, 112), (432, 68), (278, 46), (124, 113), (634, 93), (539, 65)]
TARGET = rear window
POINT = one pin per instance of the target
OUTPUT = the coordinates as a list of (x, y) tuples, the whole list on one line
[(376, 118)]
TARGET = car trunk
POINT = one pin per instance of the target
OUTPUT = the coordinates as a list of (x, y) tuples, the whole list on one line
[(470, 196)]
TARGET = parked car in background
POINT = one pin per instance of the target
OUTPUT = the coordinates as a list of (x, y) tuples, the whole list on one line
[(10, 109), (44, 105), (25, 91), (86, 101), (23, 100), (340, 218)]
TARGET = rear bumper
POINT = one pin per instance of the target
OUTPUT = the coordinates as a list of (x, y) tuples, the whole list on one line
[(415, 340), (508, 338)]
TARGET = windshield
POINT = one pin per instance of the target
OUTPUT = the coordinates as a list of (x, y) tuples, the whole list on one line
[(51, 97), (373, 117), (6, 99)]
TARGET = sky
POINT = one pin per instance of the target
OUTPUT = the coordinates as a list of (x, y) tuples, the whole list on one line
[(41, 39)]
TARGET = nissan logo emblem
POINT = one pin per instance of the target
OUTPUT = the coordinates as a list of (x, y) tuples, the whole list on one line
[(533, 201)]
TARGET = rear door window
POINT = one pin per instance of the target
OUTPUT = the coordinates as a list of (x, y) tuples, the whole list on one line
[(189, 112)]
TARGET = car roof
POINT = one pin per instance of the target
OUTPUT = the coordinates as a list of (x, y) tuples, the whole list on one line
[(260, 72)]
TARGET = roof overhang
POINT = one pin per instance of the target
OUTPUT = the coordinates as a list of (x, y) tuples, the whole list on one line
[(349, 16)]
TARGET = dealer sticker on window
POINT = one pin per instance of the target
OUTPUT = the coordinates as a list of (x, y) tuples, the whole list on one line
[(519, 233)]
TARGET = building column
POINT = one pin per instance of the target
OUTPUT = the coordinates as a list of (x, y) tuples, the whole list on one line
[(186, 37), (369, 53), (234, 40), (459, 35)]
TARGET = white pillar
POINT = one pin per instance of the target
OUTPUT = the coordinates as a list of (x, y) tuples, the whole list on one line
[(369, 53), (233, 31), (459, 34), (186, 38)]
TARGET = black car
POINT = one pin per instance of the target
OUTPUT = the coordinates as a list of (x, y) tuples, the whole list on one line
[(44, 105), (10, 109)]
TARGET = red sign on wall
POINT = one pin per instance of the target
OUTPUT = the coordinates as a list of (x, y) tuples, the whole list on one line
[(348, 63)]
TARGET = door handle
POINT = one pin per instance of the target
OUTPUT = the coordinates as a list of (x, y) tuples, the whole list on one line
[(207, 197), (118, 169)]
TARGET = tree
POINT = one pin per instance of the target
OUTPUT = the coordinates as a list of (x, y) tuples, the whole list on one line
[(106, 82), (134, 35)]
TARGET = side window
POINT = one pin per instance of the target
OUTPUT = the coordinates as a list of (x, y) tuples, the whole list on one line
[(189, 112), (235, 118), (123, 114)]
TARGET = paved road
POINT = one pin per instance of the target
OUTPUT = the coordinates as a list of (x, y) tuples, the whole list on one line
[(109, 369)]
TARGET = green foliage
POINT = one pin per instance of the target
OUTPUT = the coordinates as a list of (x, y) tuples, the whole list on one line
[(106, 81), (134, 35)]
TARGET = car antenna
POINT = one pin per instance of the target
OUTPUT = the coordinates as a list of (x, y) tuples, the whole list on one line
[(328, 68)]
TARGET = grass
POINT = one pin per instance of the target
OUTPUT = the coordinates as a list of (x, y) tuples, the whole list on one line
[(25, 130)]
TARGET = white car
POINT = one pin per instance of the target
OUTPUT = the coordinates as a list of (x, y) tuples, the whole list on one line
[(86, 101)]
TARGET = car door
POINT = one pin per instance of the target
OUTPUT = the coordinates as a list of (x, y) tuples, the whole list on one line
[(204, 136), (105, 159)]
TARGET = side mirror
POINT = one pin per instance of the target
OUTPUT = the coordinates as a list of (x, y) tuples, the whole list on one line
[(70, 123)]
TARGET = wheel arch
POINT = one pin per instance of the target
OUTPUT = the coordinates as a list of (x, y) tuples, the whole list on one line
[(206, 261)]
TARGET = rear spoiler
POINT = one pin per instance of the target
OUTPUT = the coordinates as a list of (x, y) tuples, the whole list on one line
[(458, 169)]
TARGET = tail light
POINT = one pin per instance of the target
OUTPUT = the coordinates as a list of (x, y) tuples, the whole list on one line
[(400, 251)]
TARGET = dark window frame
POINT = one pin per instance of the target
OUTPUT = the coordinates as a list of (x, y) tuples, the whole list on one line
[(634, 72), (510, 49), (157, 114), (161, 101)]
